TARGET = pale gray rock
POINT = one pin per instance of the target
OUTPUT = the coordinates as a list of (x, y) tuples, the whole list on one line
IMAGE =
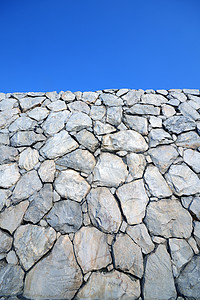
[(111, 100), (197, 232), (163, 156), (22, 123), (89, 97), (79, 106), (26, 138), (133, 199), (28, 184), (187, 110), (58, 145), (110, 171), (57, 105), (47, 171), (55, 122), (188, 282), (30, 102), (136, 123), (143, 109), (11, 258), (11, 279), (191, 91), (195, 207), (192, 158), (114, 115), (4, 194), (27, 237), (188, 140), (12, 217), (159, 136), (182, 180), (132, 97), (168, 218), (97, 112), (136, 164), (156, 183), (125, 140), (102, 128), (9, 175), (65, 216), (53, 278), (103, 210), (158, 278), (88, 253), (69, 184), (38, 113), (153, 99), (162, 92), (141, 237), (168, 111), (68, 96), (186, 201), (179, 124), (80, 160), (177, 94), (7, 104), (4, 139), (5, 241), (8, 116), (7, 154), (128, 256), (155, 121), (28, 159), (88, 140), (122, 92), (40, 203), (181, 254), (78, 121)]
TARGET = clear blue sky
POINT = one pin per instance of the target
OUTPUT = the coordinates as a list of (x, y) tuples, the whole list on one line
[(48, 45)]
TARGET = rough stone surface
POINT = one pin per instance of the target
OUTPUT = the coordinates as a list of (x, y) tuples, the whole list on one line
[(136, 164), (47, 171), (26, 138), (163, 157), (5, 242), (9, 175), (179, 124), (11, 279), (192, 158), (28, 159)]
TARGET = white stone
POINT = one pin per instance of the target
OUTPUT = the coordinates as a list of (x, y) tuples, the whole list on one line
[(55, 122), (168, 111), (28, 159), (155, 122), (9, 175), (11, 258), (78, 121), (57, 105), (47, 171), (195, 207), (136, 164), (68, 96), (153, 99), (192, 158), (30, 102)]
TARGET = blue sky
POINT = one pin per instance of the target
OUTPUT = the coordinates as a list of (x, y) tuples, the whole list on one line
[(48, 45)]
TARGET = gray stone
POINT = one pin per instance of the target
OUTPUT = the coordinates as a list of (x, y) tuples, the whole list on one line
[(9, 175), (158, 278), (7, 154), (47, 171), (27, 237), (89, 97), (80, 160), (97, 112), (69, 184), (159, 137), (156, 183), (191, 91), (88, 253), (103, 210), (188, 140), (136, 123), (55, 122), (125, 140), (128, 256), (110, 171), (78, 121), (26, 138), (132, 97), (4, 139), (179, 124), (111, 100), (40, 203), (155, 121), (22, 123), (197, 232), (30, 102), (11, 279), (57, 105), (187, 110), (133, 199), (168, 111), (136, 164), (8, 116), (88, 140), (192, 158), (101, 128), (195, 207), (58, 145), (38, 113), (168, 218), (79, 106), (65, 216), (176, 94), (5, 242), (12, 217), (114, 115), (4, 194), (53, 278), (28, 159), (11, 258), (143, 109), (182, 180), (28, 184), (68, 96), (153, 99)]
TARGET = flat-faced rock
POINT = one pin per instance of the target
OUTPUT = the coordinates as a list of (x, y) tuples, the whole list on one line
[(136, 123), (194, 207), (9, 175), (11, 258), (80, 160), (156, 183), (128, 256), (153, 99), (79, 106), (114, 115), (182, 180), (179, 124), (187, 110), (141, 237), (97, 112), (168, 111), (30, 102), (110, 171), (158, 278), (65, 216), (111, 100), (143, 109), (55, 122), (133, 199), (38, 113), (28, 184), (28, 159), (192, 158), (89, 254), (101, 128), (27, 237), (57, 105), (11, 217), (103, 210), (188, 140), (89, 97), (5, 242), (22, 123), (61, 143), (7, 154), (56, 276), (68, 96), (26, 138), (47, 171), (163, 156), (11, 280), (197, 232), (136, 164), (69, 184), (159, 136), (4, 194), (168, 218), (125, 140), (78, 121), (88, 140), (132, 97)]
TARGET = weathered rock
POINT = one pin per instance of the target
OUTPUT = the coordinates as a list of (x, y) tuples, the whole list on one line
[(168, 111), (69, 184), (103, 210), (197, 232), (187, 110), (177, 94), (28, 184), (182, 180), (8, 116), (28, 159), (53, 278), (168, 218), (158, 278), (101, 128), (9, 175), (30, 102), (40, 203), (5, 242), (141, 237), (153, 99), (11, 258), (61, 143), (26, 138), (88, 140), (188, 282), (80, 160), (38, 113), (136, 123), (57, 105), (188, 140), (111, 100), (78, 121), (97, 112), (192, 158), (114, 115), (47, 171), (155, 121), (68, 96), (163, 156), (159, 137), (195, 207), (89, 97), (55, 122), (11, 217), (27, 237), (143, 109), (79, 106), (4, 194), (7, 154), (133, 199), (128, 256), (156, 183), (179, 124), (22, 123), (110, 171), (125, 140), (11, 279), (88, 253), (136, 164), (65, 216)]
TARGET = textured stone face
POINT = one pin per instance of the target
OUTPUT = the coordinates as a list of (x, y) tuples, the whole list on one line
[(11, 279), (9, 175)]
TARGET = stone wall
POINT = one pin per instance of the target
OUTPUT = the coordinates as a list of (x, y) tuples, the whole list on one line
[(99, 195)]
